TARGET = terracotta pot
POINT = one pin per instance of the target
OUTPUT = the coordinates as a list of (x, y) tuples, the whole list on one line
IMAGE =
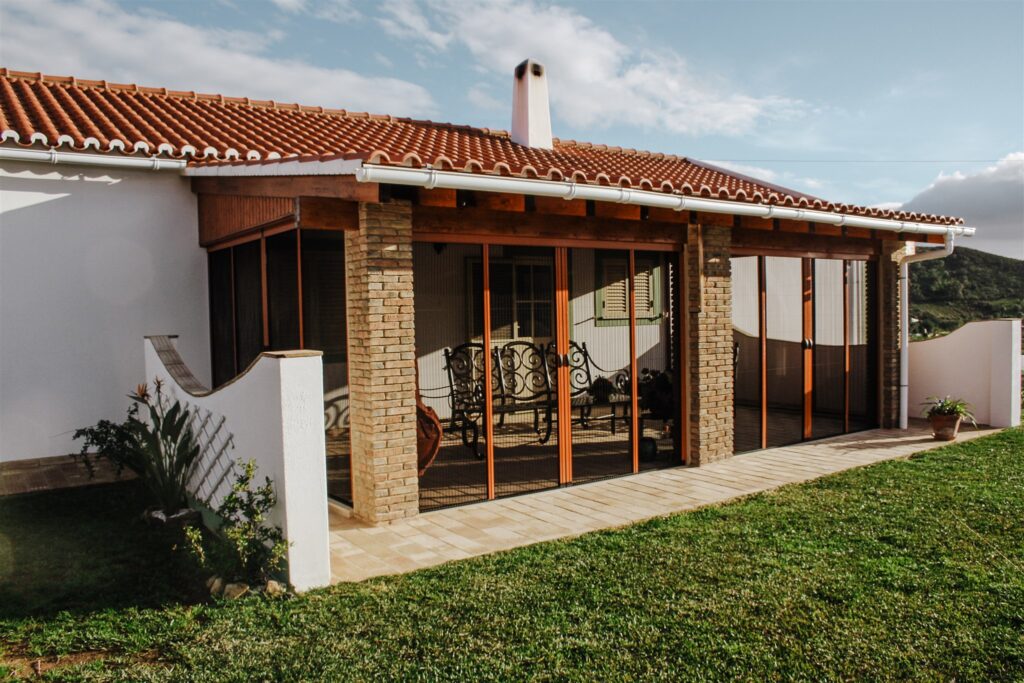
[(945, 427)]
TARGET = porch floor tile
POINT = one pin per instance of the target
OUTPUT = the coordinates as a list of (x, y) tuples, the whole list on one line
[(360, 551)]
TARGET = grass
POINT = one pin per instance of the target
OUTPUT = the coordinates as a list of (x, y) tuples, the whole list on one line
[(906, 570)]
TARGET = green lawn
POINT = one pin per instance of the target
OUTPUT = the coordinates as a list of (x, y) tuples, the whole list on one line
[(910, 569)]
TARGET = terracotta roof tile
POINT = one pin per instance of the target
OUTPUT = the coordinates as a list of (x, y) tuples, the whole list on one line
[(111, 117)]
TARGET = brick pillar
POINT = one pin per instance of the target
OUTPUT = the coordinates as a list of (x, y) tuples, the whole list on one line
[(381, 363), (889, 332), (709, 316)]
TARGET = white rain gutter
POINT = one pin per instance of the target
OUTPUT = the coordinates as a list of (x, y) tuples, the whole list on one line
[(905, 262), (431, 178), (52, 156)]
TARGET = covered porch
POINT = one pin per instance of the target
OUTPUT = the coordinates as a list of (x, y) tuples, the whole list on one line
[(479, 344)]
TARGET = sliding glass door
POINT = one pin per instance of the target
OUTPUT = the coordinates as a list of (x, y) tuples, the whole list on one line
[(804, 350), (747, 333), (784, 349), (524, 283), (829, 350), (547, 366)]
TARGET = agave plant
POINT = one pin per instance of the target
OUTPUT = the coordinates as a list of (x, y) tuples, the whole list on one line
[(160, 447)]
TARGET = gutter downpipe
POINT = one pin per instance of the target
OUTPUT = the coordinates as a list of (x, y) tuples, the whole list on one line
[(52, 156), (905, 262)]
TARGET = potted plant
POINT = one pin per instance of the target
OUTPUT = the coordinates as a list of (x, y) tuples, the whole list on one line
[(945, 415)]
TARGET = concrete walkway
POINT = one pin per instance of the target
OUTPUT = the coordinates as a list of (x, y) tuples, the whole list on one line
[(361, 551)]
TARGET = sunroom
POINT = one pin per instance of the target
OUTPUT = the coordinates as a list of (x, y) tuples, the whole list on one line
[(481, 344)]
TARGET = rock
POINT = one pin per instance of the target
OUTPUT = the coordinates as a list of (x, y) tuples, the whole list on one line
[(274, 588), (184, 516), (233, 591), (215, 584), (155, 517)]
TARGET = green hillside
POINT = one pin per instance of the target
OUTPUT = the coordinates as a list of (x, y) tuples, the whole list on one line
[(968, 285)]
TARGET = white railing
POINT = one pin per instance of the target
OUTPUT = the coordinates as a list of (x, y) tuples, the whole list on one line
[(980, 363), (273, 414)]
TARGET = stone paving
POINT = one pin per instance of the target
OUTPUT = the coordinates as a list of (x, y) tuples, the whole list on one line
[(44, 474), (360, 551)]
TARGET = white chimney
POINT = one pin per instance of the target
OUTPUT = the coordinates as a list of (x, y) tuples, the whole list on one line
[(531, 117)]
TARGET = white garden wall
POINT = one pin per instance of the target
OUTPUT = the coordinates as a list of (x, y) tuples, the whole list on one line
[(272, 414), (980, 363), (91, 259)]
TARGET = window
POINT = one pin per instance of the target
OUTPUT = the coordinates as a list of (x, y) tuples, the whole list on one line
[(255, 299), (612, 291), (522, 298)]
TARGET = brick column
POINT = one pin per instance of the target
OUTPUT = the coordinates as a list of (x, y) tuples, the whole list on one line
[(709, 317), (889, 332), (381, 363)]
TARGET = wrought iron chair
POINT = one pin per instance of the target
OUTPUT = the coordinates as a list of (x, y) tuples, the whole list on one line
[(465, 365)]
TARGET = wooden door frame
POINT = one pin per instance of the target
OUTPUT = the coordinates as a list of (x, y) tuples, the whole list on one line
[(564, 401), (807, 356), (762, 321), (485, 258)]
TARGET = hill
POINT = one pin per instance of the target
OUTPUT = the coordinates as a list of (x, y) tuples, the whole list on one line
[(965, 286)]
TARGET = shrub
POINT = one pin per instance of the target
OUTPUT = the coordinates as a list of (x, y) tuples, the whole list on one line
[(161, 450), (244, 548)]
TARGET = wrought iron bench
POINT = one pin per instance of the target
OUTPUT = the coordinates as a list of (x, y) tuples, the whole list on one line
[(523, 378), (520, 382)]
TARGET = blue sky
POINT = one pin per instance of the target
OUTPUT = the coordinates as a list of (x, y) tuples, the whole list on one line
[(864, 102)]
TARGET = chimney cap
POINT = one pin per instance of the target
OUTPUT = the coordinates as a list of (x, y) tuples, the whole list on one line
[(537, 69)]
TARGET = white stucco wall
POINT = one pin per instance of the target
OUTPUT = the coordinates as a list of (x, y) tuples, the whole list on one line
[(980, 363), (90, 261), (273, 415)]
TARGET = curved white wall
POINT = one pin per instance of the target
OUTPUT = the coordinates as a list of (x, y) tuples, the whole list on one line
[(91, 260), (980, 363), (271, 414)]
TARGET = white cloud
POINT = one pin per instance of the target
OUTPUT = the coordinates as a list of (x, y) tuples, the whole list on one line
[(99, 39), (595, 80), (992, 200), (758, 172), (786, 179), (405, 19), (338, 11), (481, 96), (290, 5)]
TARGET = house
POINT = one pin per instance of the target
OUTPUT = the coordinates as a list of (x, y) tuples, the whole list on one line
[(568, 311)]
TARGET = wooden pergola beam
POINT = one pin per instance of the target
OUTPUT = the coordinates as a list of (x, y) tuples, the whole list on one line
[(327, 213), (337, 187), (471, 222)]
